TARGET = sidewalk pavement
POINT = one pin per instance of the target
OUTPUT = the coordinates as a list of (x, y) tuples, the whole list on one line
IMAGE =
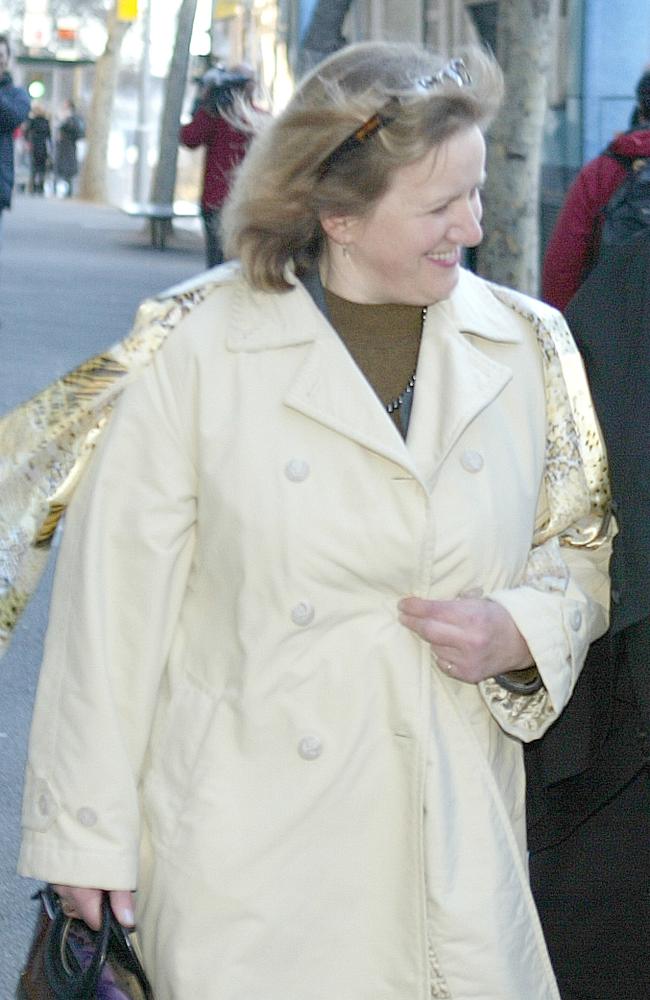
[(71, 276)]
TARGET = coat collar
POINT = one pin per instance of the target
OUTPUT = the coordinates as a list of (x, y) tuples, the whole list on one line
[(472, 308), (266, 321), (455, 378)]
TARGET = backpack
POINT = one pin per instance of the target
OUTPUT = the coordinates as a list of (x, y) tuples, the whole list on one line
[(73, 127), (81, 128), (628, 210)]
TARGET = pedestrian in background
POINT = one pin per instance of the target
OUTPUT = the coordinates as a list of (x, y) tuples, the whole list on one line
[(215, 125), (14, 108), (574, 245), (37, 133), (66, 163), (311, 597), (589, 777)]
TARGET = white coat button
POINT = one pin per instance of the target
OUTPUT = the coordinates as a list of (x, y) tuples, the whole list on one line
[(296, 470), (310, 747), (87, 816), (303, 613), (44, 804), (575, 620), (471, 461)]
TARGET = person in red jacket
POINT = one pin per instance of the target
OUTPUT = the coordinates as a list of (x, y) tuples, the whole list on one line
[(573, 247), (225, 145)]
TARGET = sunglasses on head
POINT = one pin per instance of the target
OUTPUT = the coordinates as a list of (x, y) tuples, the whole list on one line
[(454, 72)]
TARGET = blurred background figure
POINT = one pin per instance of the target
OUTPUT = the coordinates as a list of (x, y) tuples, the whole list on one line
[(38, 135), (215, 125), (66, 163), (575, 242), (14, 108)]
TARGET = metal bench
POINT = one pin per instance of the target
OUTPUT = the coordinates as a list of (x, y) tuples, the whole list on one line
[(161, 217)]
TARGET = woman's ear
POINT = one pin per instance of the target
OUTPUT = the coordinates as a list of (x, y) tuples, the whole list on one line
[(338, 228)]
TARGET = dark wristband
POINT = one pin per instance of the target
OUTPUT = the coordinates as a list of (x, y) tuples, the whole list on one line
[(530, 685)]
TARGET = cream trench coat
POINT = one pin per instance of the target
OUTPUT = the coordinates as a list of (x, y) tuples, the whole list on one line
[(230, 716)]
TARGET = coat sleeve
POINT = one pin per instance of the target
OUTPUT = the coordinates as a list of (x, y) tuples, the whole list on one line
[(14, 107), (120, 578), (560, 609), (561, 602), (200, 130)]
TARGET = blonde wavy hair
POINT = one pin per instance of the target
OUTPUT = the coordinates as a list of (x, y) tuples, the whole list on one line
[(280, 192)]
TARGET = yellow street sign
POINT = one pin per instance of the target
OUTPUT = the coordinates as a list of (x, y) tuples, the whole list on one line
[(127, 10), (224, 8)]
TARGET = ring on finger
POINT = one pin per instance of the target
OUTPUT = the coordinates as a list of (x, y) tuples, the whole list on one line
[(449, 667)]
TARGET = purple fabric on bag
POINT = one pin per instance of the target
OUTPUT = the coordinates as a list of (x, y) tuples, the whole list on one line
[(83, 950)]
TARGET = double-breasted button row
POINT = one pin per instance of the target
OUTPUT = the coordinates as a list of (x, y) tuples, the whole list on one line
[(45, 804), (471, 461), (303, 613), (575, 620), (310, 747), (296, 470), (87, 816)]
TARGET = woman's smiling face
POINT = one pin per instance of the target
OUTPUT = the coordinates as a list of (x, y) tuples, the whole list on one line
[(407, 249)]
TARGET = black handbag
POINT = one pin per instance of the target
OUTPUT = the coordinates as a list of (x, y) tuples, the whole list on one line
[(69, 961)]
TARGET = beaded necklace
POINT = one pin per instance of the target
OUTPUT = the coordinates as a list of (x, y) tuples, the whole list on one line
[(396, 402)]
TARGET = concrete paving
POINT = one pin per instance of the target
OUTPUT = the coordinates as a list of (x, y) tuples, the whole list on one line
[(71, 277)]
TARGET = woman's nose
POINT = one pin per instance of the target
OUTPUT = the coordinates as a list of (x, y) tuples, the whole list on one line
[(466, 227)]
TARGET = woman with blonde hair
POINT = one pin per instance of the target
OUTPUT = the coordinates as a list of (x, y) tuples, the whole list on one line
[(339, 552)]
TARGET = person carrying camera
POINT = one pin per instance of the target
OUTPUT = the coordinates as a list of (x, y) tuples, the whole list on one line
[(225, 145)]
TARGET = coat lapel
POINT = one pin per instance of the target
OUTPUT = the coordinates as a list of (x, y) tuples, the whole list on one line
[(331, 389), (328, 386), (455, 379)]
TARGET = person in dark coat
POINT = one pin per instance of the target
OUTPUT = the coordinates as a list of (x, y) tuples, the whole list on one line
[(37, 132), (574, 245), (589, 777), (66, 164), (14, 108)]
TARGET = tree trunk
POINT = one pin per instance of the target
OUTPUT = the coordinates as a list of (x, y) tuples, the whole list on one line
[(509, 253), (93, 181), (324, 34), (164, 181)]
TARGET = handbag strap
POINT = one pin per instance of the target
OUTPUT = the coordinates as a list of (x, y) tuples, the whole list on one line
[(66, 978), (122, 947)]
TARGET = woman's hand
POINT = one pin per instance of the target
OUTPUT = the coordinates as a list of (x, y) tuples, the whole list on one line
[(86, 904), (472, 638)]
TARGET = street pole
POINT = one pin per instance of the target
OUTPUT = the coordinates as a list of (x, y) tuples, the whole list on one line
[(141, 173)]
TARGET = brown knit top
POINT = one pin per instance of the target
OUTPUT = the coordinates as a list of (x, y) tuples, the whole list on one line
[(384, 341)]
